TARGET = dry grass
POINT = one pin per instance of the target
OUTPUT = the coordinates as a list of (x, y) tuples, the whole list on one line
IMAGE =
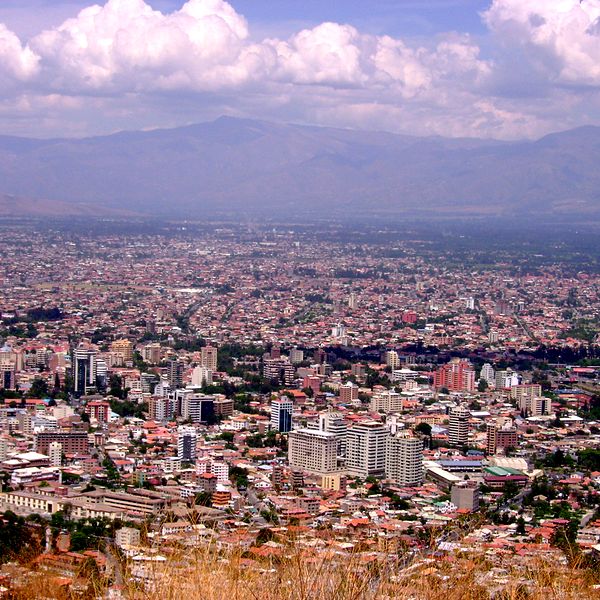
[(304, 574)]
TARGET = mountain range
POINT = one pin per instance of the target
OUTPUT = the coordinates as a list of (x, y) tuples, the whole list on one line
[(255, 168)]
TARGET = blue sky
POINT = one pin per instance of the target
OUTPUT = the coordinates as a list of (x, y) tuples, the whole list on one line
[(392, 17), (500, 68)]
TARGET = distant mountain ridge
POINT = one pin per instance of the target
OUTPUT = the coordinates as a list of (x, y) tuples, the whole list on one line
[(252, 168)]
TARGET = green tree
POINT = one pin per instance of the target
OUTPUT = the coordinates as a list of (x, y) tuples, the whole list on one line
[(39, 388)]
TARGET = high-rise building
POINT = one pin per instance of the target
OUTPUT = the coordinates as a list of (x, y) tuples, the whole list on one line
[(84, 370), (101, 374), (161, 408), (458, 428), (186, 443), (296, 356), (387, 402), (457, 376), (123, 348), (75, 442), (335, 423), (488, 374), (525, 391), (98, 410), (151, 353), (7, 374), (313, 451), (500, 437), (493, 336), (312, 382), (148, 382), (279, 369), (358, 370), (338, 331), (201, 376), (223, 406), (535, 406), (365, 449), (3, 447), (208, 358), (352, 301), (24, 420), (404, 459), (55, 453), (392, 359), (175, 373), (319, 355), (465, 496), (506, 379), (348, 392), (277, 476), (197, 407), (281, 414)]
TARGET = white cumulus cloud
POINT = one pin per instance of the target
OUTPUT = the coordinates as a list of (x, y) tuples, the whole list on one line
[(124, 58), (17, 62), (567, 30)]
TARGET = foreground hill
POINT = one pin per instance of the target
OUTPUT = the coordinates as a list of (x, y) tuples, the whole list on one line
[(260, 168)]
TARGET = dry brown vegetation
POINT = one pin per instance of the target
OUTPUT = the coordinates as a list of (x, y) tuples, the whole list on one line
[(305, 575)]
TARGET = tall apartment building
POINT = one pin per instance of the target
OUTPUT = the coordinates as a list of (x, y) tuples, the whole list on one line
[(458, 428), (525, 391), (84, 370), (55, 453), (7, 374), (161, 408), (488, 374), (223, 406), (348, 392), (24, 420), (208, 357), (281, 414), (352, 301), (296, 356), (186, 443), (387, 402), (358, 370), (536, 406), (175, 374), (148, 382), (151, 353), (201, 376), (279, 369), (98, 410), (335, 423), (3, 447), (312, 382), (123, 348), (465, 495), (313, 451), (392, 359), (198, 408), (506, 379), (457, 376), (365, 449), (73, 442), (500, 437), (404, 459)]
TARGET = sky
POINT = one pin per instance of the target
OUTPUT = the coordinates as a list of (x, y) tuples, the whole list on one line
[(505, 69)]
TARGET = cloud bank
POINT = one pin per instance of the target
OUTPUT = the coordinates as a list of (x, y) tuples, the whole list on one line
[(124, 63)]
